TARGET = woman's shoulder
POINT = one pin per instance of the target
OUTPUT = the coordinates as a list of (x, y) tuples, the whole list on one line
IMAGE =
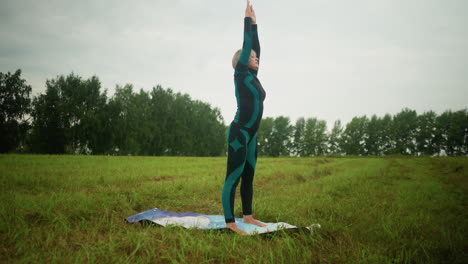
[(241, 73)]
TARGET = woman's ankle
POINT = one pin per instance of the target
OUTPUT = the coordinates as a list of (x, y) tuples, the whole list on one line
[(247, 217), (231, 225)]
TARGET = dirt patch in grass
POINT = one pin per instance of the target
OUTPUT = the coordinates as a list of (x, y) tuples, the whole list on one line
[(451, 171), (336, 246), (297, 177), (393, 172), (318, 162), (163, 178), (459, 169), (321, 172)]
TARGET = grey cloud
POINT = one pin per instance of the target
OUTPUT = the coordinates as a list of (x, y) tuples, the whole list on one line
[(319, 58)]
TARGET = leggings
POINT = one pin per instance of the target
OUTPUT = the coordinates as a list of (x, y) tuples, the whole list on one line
[(241, 162)]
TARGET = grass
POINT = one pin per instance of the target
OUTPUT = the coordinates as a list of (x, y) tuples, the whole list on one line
[(70, 209)]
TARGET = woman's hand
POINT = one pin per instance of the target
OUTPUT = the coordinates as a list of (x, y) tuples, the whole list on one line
[(249, 12), (254, 18)]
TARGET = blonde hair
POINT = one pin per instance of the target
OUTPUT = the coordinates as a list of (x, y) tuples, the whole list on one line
[(235, 58)]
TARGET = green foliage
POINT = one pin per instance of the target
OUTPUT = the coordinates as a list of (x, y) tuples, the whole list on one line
[(73, 116), (425, 141), (274, 137), (354, 136), (282, 137), (129, 125), (334, 139), (14, 105), (404, 126), (452, 132), (315, 137), (406, 133), (70, 209), (66, 117), (297, 144), (264, 136)]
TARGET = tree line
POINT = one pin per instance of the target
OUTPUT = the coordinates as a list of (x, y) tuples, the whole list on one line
[(73, 116), (405, 133)]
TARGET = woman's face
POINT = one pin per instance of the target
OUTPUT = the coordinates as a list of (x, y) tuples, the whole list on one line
[(253, 61)]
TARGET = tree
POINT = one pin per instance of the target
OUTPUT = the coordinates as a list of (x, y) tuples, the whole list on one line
[(164, 123), (101, 127), (354, 136), (71, 109), (161, 102), (126, 123), (426, 126), (335, 138), (214, 142), (452, 132), (280, 137), (461, 119), (404, 131), (387, 142), (182, 140), (315, 137), (264, 136), (298, 143), (373, 136), (49, 129), (15, 104)]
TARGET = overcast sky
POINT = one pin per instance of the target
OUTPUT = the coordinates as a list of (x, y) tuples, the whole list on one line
[(320, 58)]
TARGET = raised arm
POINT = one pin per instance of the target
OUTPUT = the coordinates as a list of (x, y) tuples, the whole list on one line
[(255, 42), (250, 39), (255, 47), (243, 62)]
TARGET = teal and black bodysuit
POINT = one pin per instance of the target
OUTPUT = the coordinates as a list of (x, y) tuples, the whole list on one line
[(242, 134)]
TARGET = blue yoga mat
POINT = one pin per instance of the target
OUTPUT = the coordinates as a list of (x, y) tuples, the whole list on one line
[(202, 221)]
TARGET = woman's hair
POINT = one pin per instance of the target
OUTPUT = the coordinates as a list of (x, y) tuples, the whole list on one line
[(235, 58)]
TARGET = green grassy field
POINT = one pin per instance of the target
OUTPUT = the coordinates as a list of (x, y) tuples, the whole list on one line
[(70, 209)]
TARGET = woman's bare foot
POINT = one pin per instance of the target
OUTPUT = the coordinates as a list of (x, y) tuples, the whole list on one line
[(248, 219), (234, 228)]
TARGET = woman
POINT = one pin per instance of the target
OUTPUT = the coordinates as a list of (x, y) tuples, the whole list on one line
[(242, 134)]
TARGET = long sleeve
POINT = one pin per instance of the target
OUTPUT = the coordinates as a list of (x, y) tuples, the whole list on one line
[(255, 45), (243, 62), (255, 41)]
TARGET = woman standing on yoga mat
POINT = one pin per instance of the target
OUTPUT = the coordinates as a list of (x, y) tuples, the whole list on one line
[(242, 133)]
